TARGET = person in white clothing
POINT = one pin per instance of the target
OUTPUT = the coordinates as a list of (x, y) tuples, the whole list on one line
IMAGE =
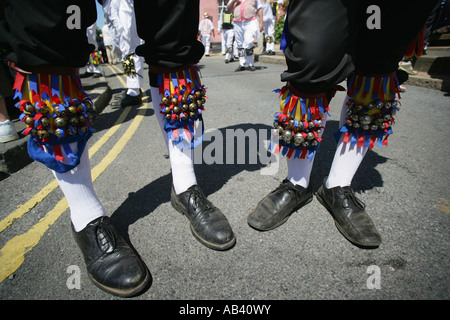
[(206, 28), (93, 66), (246, 29), (268, 7), (227, 31), (122, 16), (107, 41)]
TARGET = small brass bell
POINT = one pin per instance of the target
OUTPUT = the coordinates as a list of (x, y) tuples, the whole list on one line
[(88, 103), (298, 139), (45, 122), (379, 104), (176, 109), (165, 100), (309, 136), (287, 136), (72, 109), (174, 101), (29, 108), (59, 133), (29, 120), (60, 122), (366, 119), (42, 134), (56, 110), (43, 110), (192, 107)]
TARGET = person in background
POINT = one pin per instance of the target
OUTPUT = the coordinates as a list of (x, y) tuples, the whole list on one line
[(247, 22), (206, 29)]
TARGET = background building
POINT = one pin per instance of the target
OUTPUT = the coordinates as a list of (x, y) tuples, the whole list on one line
[(213, 7)]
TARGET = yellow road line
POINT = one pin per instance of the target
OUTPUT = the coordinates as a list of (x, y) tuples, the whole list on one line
[(12, 255)]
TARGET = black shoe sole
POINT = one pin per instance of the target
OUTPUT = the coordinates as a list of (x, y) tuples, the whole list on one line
[(279, 223), (219, 247), (132, 292), (342, 230)]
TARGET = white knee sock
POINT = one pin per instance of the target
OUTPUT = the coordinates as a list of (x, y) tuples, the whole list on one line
[(345, 164), (250, 60), (347, 159), (181, 161), (79, 191), (299, 170)]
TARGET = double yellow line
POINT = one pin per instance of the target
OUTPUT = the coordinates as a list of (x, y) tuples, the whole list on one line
[(12, 255)]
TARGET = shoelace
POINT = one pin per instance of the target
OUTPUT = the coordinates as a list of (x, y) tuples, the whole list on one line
[(198, 198), (282, 188), (105, 238), (349, 195)]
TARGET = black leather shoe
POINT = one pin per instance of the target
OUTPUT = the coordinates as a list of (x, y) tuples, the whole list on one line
[(208, 224), (276, 208), (110, 262), (128, 101), (349, 215)]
